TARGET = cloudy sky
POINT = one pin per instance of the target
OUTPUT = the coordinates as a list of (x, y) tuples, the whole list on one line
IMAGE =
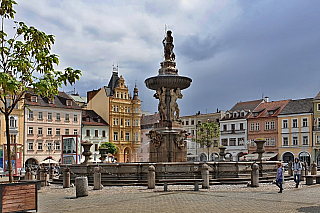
[(233, 50)]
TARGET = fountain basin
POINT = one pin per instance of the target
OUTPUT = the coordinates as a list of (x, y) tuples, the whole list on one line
[(168, 81)]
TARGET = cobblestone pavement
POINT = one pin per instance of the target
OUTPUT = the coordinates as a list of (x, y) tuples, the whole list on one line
[(223, 198)]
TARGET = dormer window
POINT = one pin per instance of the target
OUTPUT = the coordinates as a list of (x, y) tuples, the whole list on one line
[(69, 103), (88, 119), (242, 114), (255, 114), (33, 98), (227, 115), (99, 120), (51, 101), (271, 112), (234, 114)]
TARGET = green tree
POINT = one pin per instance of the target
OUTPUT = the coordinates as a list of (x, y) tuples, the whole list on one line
[(26, 63), (112, 149), (206, 133)]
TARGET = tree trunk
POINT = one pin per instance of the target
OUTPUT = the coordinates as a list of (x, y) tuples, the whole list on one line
[(8, 148)]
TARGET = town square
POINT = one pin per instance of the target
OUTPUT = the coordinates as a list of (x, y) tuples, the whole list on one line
[(159, 106)]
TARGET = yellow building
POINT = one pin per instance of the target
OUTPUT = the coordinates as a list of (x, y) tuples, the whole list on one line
[(295, 130), (123, 113), (16, 128)]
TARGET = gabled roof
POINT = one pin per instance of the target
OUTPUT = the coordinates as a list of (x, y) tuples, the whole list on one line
[(298, 107), (264, 108), (60, 101), (247, 106), (317, 96), (94, 119)]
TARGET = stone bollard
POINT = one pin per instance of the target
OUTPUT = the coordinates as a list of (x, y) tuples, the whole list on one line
[(205, 176), (66, 178), (43, 177), (151, 177), (255, 175), (290, 172), (81, 186), (97, 178), (314, 169), (303, 171)]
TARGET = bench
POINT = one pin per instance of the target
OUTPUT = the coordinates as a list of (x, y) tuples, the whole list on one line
[(309, 179), (180, 181)]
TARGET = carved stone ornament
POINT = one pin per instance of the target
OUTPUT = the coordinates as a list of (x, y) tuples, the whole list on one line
[(181, 139), (156, 138)]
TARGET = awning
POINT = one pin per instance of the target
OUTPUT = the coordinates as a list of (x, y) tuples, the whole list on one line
[(265, 156)]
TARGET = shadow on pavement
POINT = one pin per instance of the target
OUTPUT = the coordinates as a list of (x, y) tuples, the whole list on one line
[(309, 209)]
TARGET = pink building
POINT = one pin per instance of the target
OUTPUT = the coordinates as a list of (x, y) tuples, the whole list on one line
[(46, 120)]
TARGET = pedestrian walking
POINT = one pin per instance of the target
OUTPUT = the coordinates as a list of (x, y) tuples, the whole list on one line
[(279, 177), (296, 168)]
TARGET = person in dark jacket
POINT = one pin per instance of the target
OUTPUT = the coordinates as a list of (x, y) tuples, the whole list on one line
[(296, 168), (279, 177)]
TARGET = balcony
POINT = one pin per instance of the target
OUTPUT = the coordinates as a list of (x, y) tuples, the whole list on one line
[(316, 128), (233, 132)]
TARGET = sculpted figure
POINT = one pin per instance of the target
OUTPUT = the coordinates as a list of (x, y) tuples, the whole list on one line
[(168, 47), (174, 108), (161, 95)]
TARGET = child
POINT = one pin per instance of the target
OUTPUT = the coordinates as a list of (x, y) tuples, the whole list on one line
[(279, 178)]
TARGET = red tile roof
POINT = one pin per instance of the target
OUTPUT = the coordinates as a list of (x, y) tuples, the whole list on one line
[(264, 108)]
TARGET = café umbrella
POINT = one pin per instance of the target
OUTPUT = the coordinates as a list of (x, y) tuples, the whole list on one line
[(49, 161)]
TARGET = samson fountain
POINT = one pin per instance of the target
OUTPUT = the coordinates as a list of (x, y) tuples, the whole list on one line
[(168, 138)]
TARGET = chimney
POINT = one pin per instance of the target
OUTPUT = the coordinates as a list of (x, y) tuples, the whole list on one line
[(266, 99)]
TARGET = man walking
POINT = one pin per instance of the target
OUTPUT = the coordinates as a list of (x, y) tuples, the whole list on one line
[(296, 168), (279, 177)]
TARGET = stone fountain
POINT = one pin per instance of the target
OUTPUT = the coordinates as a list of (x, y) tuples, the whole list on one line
[(168, 138)]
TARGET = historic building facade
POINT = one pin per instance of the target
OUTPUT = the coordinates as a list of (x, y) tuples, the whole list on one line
[(295, 138), (263, 123), (316, 130), (46, 120), (233, 127), (122, 112), (196, 152), (95, 130)]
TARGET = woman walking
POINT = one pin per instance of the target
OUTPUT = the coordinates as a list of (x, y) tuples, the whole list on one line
[(279, 178)]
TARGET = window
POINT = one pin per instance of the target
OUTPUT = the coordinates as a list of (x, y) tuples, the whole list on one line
[(318, 139), (224, 142), (117, 94), (240, 141), (30, 131), (232, 142), (88, 132), (242, 114), (117, 121), (67, 117), (241, 126), (137, 136), (192, 122), (96, 133), (115, 136), (126, 109), (66, 132), (295, 141), (273, 141), (121, 95), (30, 146), (128, 122), (34, 99), (58, 131), (127, 138), (39, 146), (31, 114), (13, 139), (49, 132), (114, 108), (50, 101), (285, 141), (192, 132), (114, 121), (125, 95), (12, 122), (49, 116), (267, 125), (272, 125), (49, 146), (284, 124), (305, 141), (233, 127), (141, 150), (103, 133), (40, 116), (257, 126), (187, 123), (58, 117), (252, 143), (294, 123), (40, 131), (318, 107), (134, 110), (75, 131), (252, 127), (225, 127), (117, 108), (57, 146), (75, 118), (304, 122), (267, 141)]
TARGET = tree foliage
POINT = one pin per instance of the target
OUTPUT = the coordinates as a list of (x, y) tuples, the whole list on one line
[(206, 133), (112, 149), (26, 64)]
